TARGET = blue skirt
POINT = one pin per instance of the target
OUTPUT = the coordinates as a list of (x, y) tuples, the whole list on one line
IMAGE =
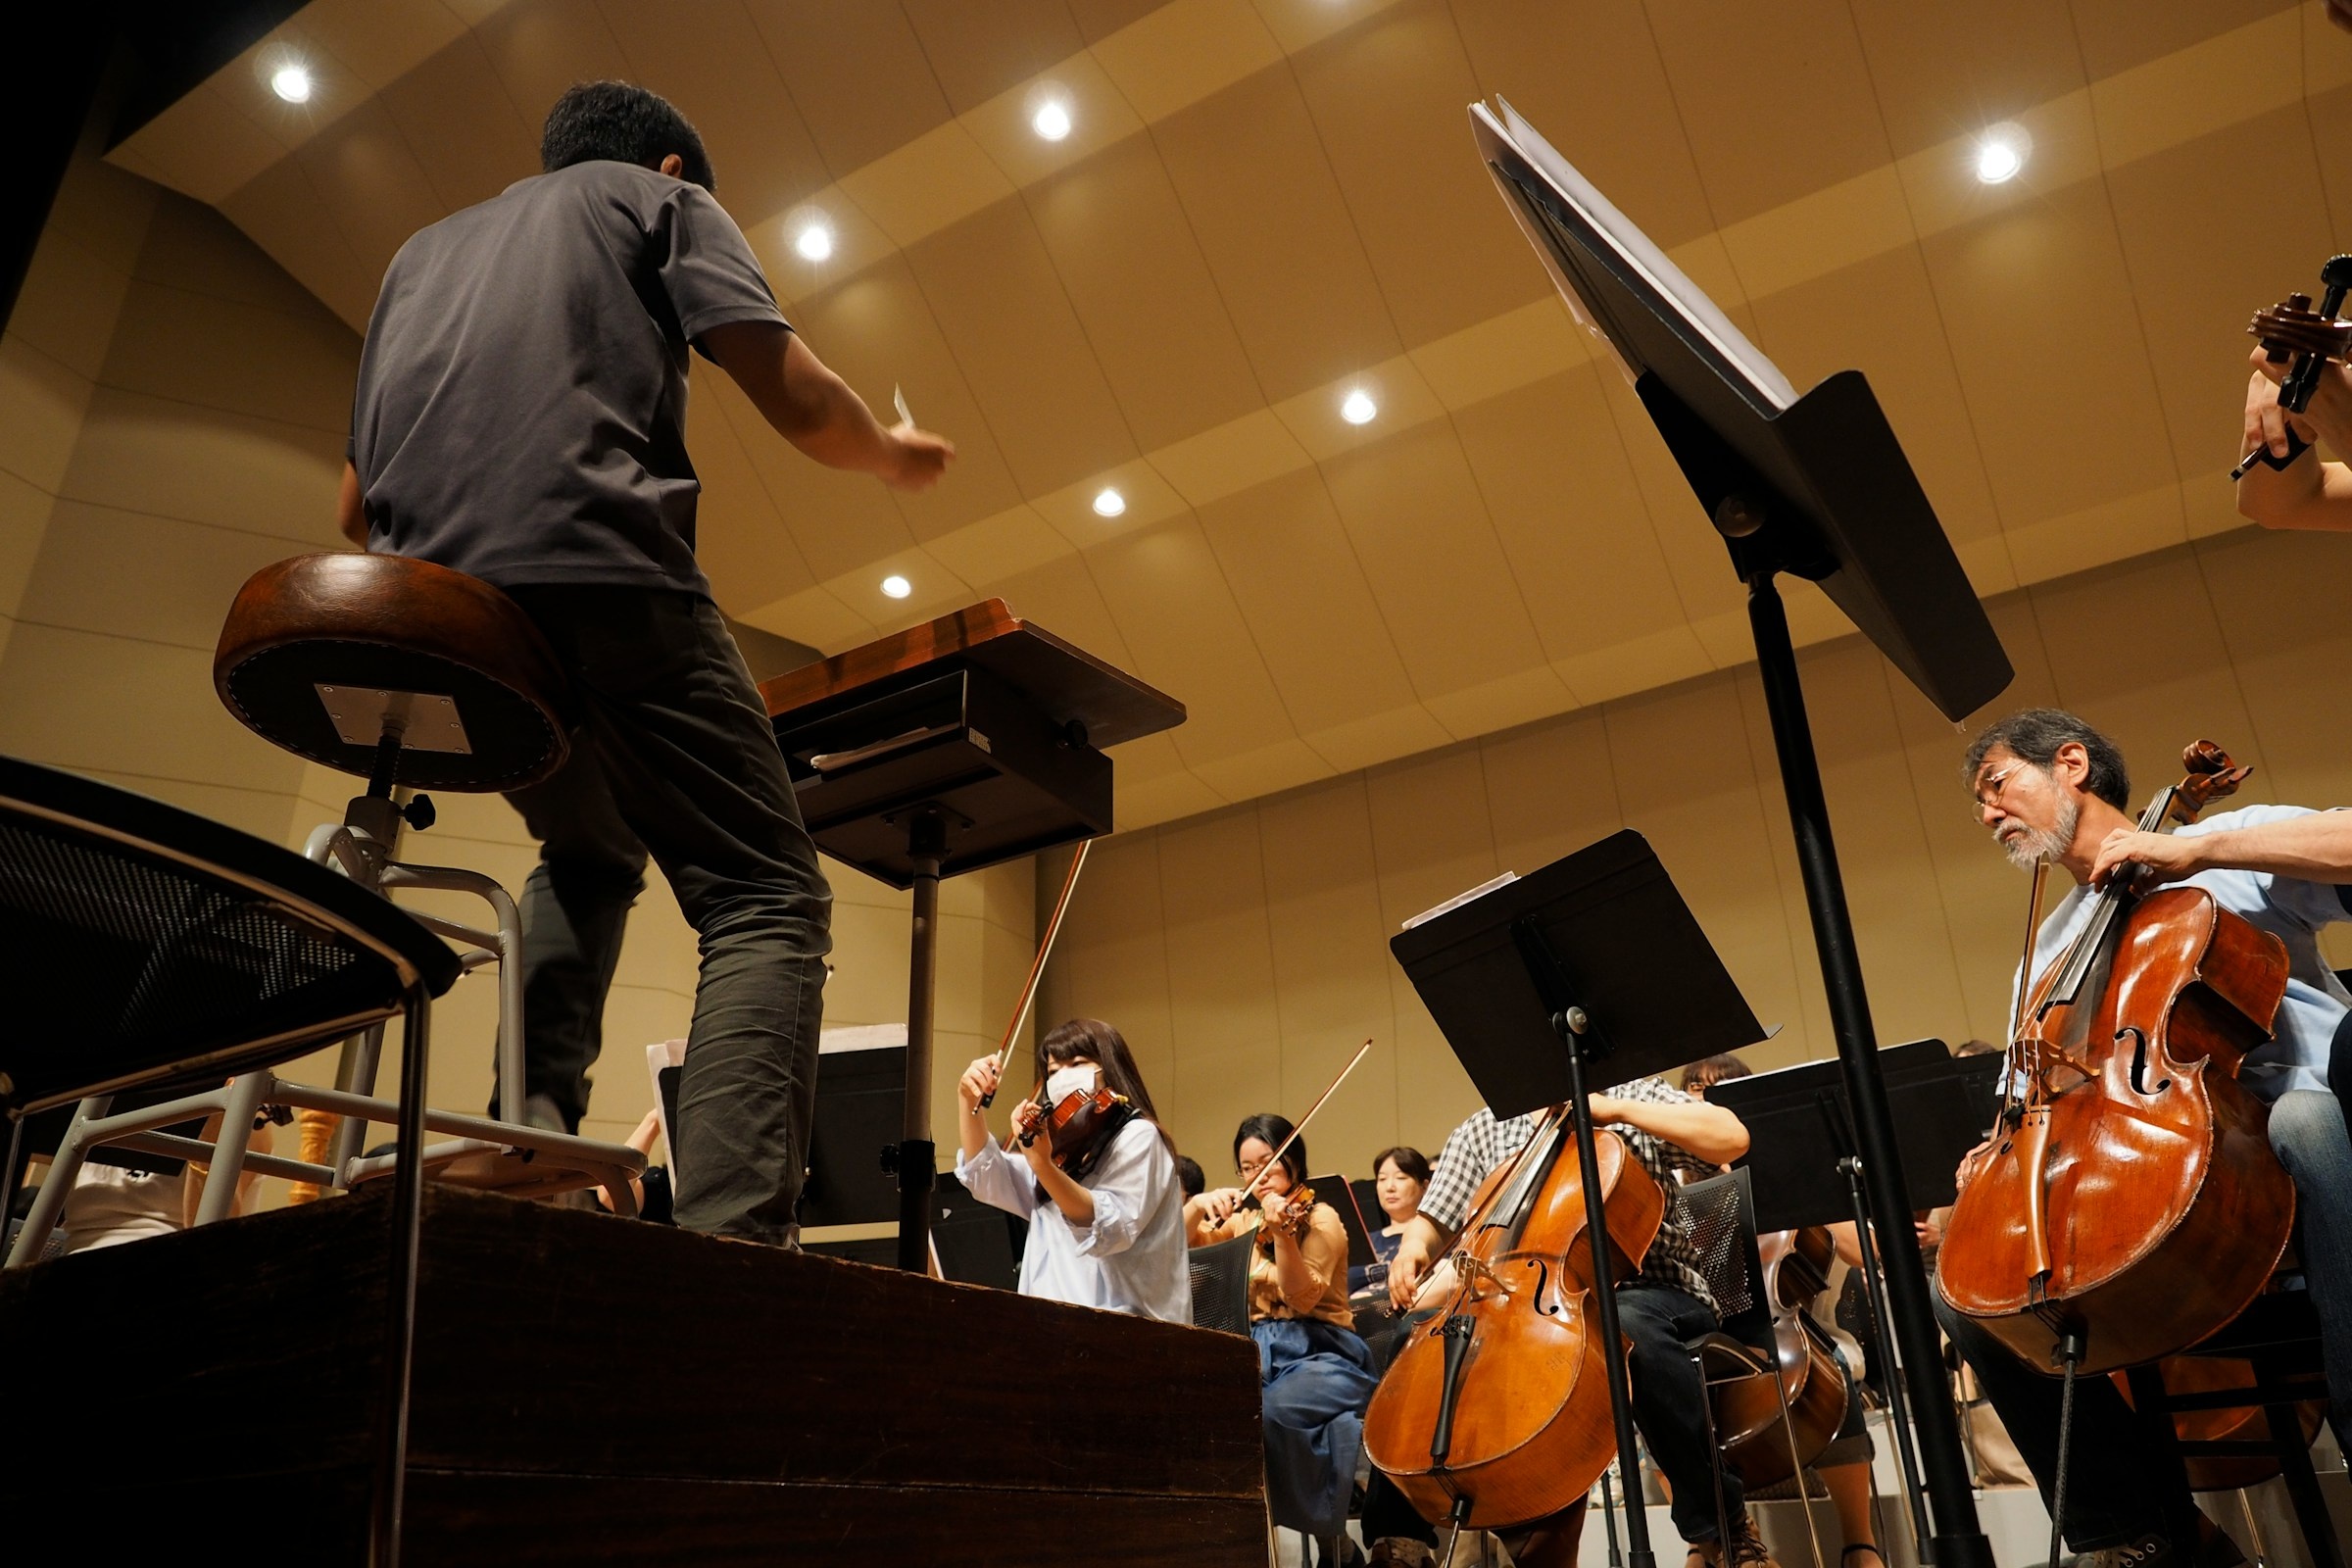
[(1318, 1380)]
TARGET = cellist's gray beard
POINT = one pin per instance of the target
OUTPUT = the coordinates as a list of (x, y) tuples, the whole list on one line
[(2023, 845)]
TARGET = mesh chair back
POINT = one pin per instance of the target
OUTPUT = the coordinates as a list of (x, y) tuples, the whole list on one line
[(156, 945), (1221, 1285), (1721, 1212), (1383, 1332)]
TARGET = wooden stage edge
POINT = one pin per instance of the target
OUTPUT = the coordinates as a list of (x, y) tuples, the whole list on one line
[(591, 1390)]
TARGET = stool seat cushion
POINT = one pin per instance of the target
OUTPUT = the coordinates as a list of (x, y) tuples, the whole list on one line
[(315, 626)]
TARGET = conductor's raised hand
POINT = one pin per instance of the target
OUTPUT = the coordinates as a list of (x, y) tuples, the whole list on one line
[(915, 458)]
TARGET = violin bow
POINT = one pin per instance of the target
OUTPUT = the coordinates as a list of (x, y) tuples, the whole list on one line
[(1275, 1159), (1037, 967)]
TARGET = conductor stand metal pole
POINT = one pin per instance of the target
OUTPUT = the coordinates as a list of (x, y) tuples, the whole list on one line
[(1578, 1034), (1959, 1541), (1898, 1404), (916, 1158)]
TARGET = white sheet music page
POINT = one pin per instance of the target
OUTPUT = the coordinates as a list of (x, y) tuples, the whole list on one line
[(1460, 898), (1620, 234)]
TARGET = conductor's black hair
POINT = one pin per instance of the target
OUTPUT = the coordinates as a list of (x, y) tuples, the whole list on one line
[(622, 122)]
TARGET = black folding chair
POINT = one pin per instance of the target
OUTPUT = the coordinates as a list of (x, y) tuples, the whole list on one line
[(1221, 1284), (148, 948)]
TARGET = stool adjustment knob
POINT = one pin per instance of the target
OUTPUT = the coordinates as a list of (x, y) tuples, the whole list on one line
[(419, 814)]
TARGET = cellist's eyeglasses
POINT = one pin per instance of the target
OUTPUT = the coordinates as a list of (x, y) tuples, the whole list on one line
[(1987, 795)]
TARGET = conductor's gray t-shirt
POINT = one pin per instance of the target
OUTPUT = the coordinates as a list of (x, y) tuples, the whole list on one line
[(520, 412)]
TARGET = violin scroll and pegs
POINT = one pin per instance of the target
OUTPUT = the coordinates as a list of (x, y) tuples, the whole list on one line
[(2309, 336), (2209, 775)]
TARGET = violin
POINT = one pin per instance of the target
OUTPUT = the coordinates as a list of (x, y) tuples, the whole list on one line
[(2294, 334), (2130, 1204), (1083, 1123), (1747, 1412), (1297, 1218), (1496, 1411)]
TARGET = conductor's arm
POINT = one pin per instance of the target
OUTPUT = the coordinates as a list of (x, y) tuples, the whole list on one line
[(816, 410)]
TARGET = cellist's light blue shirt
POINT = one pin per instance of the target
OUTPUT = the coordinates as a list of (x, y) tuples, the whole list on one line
[(2288, 908)]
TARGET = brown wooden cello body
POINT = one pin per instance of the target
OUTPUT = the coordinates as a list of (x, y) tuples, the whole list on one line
[(1747, 1412), (2131, 1194), (1502, 1401)]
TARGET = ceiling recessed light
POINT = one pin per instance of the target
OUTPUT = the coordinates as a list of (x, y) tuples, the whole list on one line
[(895, 586), (292, 83), (1052, 120), (2001, 153), (1358, 408), (813, 241), (1108, 503)]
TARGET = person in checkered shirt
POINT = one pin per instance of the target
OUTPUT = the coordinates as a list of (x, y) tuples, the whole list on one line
[(1673, 1135)]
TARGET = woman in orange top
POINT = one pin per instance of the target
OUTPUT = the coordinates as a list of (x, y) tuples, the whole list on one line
[(1317, 1372)]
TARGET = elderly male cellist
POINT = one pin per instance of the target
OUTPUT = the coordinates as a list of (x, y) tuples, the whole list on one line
[(2049, 787), (1672, 1134)]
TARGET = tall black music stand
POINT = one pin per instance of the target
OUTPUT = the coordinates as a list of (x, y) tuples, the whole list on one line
[(959, 744), (1819, 487), (1802, 1159), (1596, 953)]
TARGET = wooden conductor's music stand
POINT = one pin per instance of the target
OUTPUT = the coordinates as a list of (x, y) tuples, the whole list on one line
[(951, 746)]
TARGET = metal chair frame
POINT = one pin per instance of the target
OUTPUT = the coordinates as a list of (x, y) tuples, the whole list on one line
[(77, 810), (519, 1160)]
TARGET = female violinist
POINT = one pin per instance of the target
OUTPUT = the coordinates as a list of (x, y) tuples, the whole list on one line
[(1105, 1217), (1318, 1373)]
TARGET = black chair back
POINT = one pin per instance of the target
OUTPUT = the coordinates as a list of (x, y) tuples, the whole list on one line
[(156, 945), (1221, 1285), (1722, 1215)]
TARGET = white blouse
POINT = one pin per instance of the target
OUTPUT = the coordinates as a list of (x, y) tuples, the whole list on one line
[(1131, 1259)]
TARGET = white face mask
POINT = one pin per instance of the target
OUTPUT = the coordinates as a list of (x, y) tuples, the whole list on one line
[(1064, 1082)]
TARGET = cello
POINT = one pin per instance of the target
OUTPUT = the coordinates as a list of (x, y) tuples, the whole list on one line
[(2130, 1204), (1747, 1411), (1496, 1411)]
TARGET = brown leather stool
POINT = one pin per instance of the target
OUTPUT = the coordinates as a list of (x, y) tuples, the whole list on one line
[(377, 663), (409, 675)]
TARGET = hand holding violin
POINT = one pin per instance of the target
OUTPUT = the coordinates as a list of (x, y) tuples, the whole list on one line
[(2328, 417), (1033, 1134)]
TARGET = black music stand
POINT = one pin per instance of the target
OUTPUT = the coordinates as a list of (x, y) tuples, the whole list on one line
[(1593, 960), (1342, 1202), (1816, 485), (951, 746), (860, 1104), (1802, 1159)]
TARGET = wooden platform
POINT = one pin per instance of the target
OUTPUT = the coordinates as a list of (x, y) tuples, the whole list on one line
[(589, 1389)]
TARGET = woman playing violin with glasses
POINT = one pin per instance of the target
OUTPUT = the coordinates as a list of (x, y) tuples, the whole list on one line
[(1318, 1373), (1087, 1163)]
